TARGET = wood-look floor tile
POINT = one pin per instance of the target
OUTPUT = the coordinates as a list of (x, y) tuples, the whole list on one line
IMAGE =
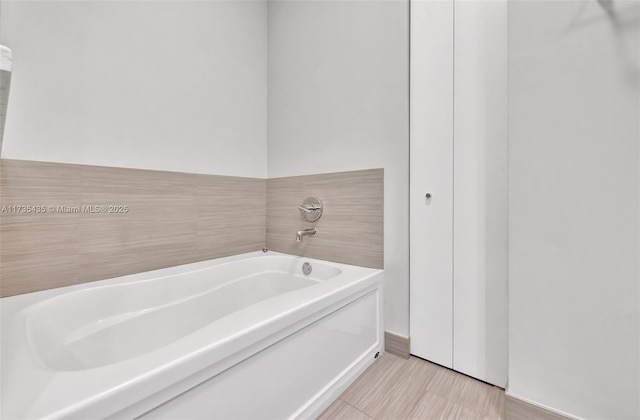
[(434, 407), (398, 389), (497, 412), (340, 410), (468, 392), (405, 394), (384, 371), (391, 394)]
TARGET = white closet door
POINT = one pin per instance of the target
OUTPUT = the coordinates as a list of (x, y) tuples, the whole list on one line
[(431, 271), (480, 269), (459, 155)]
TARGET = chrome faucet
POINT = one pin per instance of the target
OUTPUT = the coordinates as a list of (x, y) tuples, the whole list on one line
[(306, 232)]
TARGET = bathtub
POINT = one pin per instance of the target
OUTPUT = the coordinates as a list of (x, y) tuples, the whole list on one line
[(244, 337)]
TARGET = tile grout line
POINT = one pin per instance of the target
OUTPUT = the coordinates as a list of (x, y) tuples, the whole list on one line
[(459, 403), (454, 401), (423, 390), (483, 415), (356, 408), (484, 412)]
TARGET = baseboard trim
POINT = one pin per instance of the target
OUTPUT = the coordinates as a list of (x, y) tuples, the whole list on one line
[(397, 345), (516, 408)]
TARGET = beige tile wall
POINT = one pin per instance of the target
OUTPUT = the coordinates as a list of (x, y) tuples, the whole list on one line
[(173, 218), (351, 228)]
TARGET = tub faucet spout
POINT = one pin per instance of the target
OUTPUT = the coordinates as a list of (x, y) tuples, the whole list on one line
[(306, 232)]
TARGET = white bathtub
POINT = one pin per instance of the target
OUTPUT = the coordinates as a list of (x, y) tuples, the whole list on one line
[(249, 336)]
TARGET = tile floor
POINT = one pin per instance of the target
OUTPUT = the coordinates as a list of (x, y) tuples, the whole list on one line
[(398, 389)]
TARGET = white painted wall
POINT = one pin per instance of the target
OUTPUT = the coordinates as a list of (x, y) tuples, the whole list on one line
[(173, 85), (338, 100), (185, 89), (574, 139)]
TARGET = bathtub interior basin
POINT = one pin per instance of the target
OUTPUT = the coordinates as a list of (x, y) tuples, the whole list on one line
[(124, 321)]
